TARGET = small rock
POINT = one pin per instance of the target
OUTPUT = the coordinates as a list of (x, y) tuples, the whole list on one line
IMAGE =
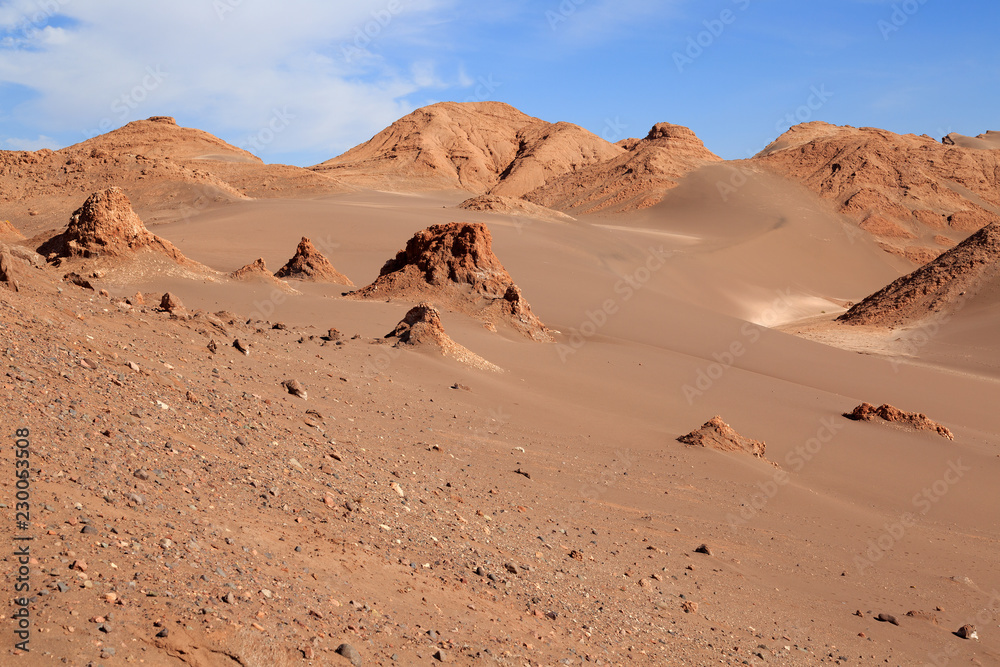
[(295, 388), (141, 474), (213, 347), (460, 386), (887, 618), (350, 653), (576, 555), (171, 304), (398, 489), (163, 633), (703, 549), (510, 567), (229, 598), (242, 347), (134, 366), (689, 607), (78, 280), (79, 565), (968, 632), (441, 656), (240, 440)]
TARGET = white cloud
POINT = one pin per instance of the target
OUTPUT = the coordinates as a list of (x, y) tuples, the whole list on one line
[(223, 65), (15, 144)]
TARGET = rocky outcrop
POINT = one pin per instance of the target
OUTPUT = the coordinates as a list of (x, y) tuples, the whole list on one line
[(106, 226), (869, 413), (454, 264), (310, 264), (717, 434), (937, 288), (421, 327)]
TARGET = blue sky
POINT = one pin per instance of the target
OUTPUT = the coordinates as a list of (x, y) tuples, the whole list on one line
[(302, 81)]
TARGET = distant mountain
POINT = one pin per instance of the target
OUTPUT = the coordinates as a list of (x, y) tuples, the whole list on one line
[(916, 196), (634, 180), (164, 169), (481, 147)]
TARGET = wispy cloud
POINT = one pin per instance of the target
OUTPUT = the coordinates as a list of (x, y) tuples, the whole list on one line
[(226, 64), (15, 144)]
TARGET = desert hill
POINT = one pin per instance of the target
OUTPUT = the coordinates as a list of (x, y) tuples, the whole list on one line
[(166, 170), (476, 146), (915, 195), (634, 180), (938, 288)]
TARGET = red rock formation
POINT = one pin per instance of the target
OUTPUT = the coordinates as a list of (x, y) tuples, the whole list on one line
[(421, 327), (106, 226), (454, 264), (717, 434), (938, 287), (308, 263), (868, 412)]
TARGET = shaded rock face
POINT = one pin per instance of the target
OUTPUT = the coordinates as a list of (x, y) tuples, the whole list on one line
[(902, 189), (717, 434), (308, 263), (454, 263), (106, 226), (938, 288), (868, 412)]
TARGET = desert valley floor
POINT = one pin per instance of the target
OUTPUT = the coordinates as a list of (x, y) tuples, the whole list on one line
[(258, 475)]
